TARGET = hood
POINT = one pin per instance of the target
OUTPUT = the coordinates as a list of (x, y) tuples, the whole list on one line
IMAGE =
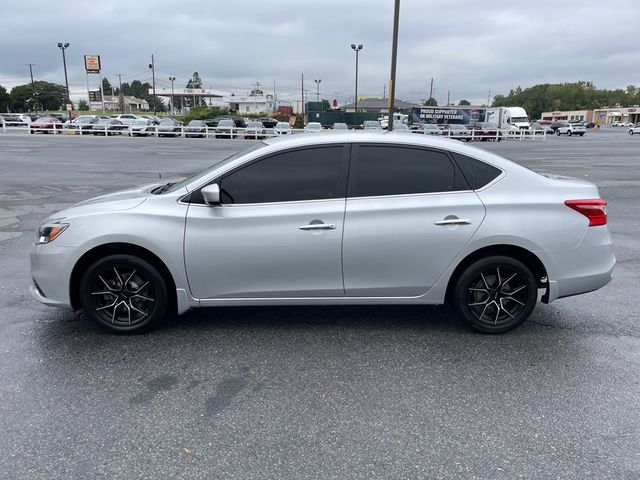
[(112, 202)]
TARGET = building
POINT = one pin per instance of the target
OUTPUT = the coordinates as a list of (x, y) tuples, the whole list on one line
[(376, 105), (112, 102), (585, 115), (607, 116), (255, 102)]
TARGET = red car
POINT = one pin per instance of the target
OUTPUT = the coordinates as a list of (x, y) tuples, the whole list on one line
[(45, 125)]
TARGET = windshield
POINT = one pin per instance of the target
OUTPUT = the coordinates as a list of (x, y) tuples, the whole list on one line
[(225, 123), (519, 119), (314, 126), (254, 125), (140, 122), (195, 123), (208, 170), (282, 125)]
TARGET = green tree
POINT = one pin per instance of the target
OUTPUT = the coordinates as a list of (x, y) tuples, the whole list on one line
[(4, 99), (464, 102), (50, 96), (431, 102), (83, 106), (107, 89)]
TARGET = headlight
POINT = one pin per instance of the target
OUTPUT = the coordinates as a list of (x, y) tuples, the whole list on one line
[(48, 232)]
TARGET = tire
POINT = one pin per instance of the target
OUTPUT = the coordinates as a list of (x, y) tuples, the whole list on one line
[(631, 132), (495, 294), (582, 134), (558, 133), (124, 294)]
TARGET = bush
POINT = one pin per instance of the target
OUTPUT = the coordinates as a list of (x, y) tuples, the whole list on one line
[(202, 113)]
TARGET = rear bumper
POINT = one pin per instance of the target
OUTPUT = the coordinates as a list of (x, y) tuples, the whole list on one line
[(583, 269)]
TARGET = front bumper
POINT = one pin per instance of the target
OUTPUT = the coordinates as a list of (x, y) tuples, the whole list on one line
[(51, 271)]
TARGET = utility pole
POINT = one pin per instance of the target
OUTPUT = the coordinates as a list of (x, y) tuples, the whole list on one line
[(384, 91), (33, 87), (318, 89), (121, 99), (302, 95), (173, 107), (448, 97), (394, 56), (489, 98), (275, 99), (431, 89), (152, 66)]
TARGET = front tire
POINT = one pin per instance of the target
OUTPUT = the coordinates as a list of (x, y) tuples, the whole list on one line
[(495, 294), (124, 294), (558, 133)]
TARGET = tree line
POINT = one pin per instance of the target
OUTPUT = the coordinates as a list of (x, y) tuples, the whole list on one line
[(42, 96)]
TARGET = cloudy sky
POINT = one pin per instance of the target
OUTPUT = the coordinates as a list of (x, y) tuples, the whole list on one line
[(469, 47)]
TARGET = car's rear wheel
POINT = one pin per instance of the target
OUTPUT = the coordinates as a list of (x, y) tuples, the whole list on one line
[(569, 133), (124, 294), (495, 294), (558, 133), (630, 132)]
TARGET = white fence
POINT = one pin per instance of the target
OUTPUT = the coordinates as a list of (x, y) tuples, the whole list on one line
[(253, 134)]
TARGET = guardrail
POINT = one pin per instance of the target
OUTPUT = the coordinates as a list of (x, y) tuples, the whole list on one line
[(241, 132)]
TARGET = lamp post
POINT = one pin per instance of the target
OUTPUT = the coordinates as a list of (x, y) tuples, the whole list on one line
[(357, 50), (318, 89), (63, 47), (173, 110)]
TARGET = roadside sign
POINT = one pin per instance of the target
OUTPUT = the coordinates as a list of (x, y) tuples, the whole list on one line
[(69, 107), (92, 63)]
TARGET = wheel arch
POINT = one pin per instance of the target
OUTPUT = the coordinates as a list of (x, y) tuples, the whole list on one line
[(121, 248), (525, 256)]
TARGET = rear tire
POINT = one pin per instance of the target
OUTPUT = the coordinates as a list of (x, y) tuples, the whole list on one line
[(495, 294), (558, 133), (124, 294)]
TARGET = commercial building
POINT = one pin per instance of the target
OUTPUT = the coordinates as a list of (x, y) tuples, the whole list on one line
[(607, 116), (112, 102), (585, 115)]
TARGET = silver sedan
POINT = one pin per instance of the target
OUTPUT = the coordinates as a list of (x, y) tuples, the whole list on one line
[(348, 218)]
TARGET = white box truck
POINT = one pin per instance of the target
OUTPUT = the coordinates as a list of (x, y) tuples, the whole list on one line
[(508, 117)]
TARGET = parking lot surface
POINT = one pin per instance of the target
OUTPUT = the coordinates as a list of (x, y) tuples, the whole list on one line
[(313, 392)]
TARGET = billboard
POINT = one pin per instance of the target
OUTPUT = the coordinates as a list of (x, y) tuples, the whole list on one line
[(444, 115), (92, 63)]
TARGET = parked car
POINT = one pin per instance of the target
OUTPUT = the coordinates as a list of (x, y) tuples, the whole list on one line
[(213, 122), (82, 123), (313, 127), (127, 118), (13, 120), (225, 236), (571, 128), (428, 129), (239, 122), (142, 127), (169, 127), (634, 130), (340, 126), (226, 127), (255, 130), (155, 119), (487, 131), (268, 122), (622, 124), (282, 128), (539, 129), (457, 131), (196, 128), (109, 126), (371, 125), (46, 125), (544, 122)]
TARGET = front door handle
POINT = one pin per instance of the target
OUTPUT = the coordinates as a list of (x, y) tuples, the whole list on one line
[(318, 226), (453, 221)]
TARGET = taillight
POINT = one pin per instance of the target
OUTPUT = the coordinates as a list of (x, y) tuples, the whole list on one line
[(594, 209)]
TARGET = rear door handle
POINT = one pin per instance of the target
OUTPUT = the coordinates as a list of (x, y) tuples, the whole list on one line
[(318, 226), (453, 221)]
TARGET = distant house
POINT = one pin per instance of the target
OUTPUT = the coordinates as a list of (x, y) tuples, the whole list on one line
[(112, 102), (376, 105)]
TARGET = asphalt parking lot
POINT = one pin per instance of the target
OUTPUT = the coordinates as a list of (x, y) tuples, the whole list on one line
[(330, 392)]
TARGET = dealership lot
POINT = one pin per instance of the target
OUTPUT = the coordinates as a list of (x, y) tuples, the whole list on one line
[(331, 392)]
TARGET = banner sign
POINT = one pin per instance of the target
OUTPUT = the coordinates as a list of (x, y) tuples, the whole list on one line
[(92, 63), (444, 115)]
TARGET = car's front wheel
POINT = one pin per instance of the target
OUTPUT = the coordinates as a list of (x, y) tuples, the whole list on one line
[(558, 132), (495, 294), (124, 294)]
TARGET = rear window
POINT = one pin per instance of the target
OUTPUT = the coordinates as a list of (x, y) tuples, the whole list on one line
[(477, 173)]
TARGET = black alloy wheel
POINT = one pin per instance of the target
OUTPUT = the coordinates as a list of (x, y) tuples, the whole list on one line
[(495, 294), (124, 294)]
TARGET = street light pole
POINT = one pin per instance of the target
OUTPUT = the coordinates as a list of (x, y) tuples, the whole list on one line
[(152, 66), (357, 50), (173, 109), (318, 89), (394, 56), (33, 88), (63, 47)]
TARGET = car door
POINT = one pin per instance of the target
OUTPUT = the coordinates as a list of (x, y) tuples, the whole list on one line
[(409, 213), (277, 232)]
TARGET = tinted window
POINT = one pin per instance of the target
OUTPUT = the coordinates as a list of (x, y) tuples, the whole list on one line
[(307, 174), (477, 173), (391, 170)]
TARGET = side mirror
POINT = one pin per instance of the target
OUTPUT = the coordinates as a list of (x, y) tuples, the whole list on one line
[(211, 194)]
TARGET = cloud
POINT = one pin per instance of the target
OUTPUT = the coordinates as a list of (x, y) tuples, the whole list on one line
[(467, 47)]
